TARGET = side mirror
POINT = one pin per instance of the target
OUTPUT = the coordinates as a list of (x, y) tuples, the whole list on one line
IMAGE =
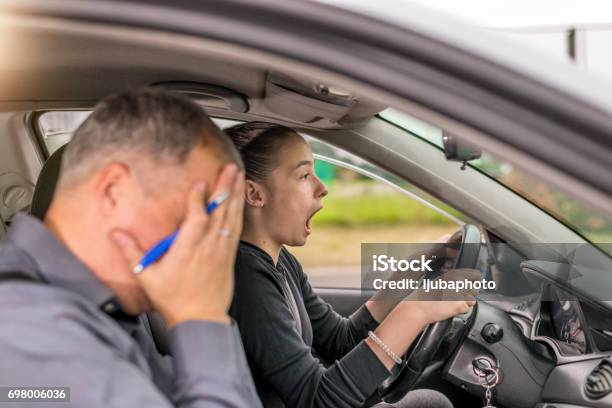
[(460, 151)]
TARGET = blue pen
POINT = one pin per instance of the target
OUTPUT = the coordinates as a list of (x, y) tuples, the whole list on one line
[(159, 249)]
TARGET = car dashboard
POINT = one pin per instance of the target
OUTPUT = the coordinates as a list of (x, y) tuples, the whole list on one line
[(552, 348)]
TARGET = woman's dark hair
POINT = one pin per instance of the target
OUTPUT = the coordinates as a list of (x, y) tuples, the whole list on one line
[(259, 144)]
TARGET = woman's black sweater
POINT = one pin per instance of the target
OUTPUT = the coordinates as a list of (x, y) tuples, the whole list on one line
[(287, 336)]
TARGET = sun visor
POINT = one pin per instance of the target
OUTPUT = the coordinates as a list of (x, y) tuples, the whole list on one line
[(309, 101)]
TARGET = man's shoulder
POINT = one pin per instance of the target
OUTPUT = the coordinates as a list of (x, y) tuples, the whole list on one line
[(53, 318), (52, 335), (15, 260), (32, 308), (40, 301), (22, 287)]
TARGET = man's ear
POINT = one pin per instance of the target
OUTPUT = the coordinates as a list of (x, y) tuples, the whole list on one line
[(253, 193), (111, 185)]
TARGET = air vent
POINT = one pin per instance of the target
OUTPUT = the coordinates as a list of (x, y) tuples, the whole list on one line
[(599, 382)]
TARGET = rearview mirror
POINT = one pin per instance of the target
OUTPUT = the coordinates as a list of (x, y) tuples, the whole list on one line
[(460, 151)]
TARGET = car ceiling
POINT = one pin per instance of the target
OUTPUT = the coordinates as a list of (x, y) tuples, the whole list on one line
[(56, 69)]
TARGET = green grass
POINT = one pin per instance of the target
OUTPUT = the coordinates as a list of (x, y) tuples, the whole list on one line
[(375, 209)]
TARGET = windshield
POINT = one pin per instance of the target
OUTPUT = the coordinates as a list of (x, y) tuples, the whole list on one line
[(593, 225)]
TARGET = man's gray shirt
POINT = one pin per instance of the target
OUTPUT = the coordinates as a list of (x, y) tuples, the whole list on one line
[(60, 328)]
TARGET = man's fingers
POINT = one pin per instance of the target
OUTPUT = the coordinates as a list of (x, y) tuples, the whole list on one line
[(225, 182), (235, 208), (225, 185), (127, 245), (232, 216), (193, 227)]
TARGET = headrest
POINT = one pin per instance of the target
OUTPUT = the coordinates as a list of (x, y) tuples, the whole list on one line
[(45, 185)]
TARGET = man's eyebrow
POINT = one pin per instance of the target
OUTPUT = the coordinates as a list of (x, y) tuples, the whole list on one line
[(303, 163)]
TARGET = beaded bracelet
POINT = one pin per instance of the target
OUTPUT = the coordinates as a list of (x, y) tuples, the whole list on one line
[(385, 348)]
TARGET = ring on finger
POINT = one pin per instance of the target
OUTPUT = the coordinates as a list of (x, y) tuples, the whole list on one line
[(224, 232)]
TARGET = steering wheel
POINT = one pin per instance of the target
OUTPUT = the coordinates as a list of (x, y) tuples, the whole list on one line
[(408, 373)]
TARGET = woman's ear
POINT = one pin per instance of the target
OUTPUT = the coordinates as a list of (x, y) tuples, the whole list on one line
[(253, 193)]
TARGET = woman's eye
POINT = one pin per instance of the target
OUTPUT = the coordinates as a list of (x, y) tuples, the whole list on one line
[(305, 176)]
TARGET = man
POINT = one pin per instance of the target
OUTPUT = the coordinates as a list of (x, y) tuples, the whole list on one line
[(140, 167)]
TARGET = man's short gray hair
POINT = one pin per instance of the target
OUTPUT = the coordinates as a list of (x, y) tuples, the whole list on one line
[(149, 122)]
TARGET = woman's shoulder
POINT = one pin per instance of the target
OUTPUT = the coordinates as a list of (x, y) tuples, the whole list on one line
[(249, 255), (252, 264), (254, 274)]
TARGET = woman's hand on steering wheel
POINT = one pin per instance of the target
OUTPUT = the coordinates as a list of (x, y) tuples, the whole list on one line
[(430, 311), (435, 311)]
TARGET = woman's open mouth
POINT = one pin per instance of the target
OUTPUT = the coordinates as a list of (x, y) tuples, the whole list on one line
[(307, 225)]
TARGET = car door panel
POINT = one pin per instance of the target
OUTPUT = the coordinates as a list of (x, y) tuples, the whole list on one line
[(344, 301)]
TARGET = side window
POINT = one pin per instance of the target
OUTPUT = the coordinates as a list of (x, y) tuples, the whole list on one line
[(56, 127), (364, 204)]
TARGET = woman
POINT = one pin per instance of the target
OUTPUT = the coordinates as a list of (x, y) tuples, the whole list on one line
[(286, 328)]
